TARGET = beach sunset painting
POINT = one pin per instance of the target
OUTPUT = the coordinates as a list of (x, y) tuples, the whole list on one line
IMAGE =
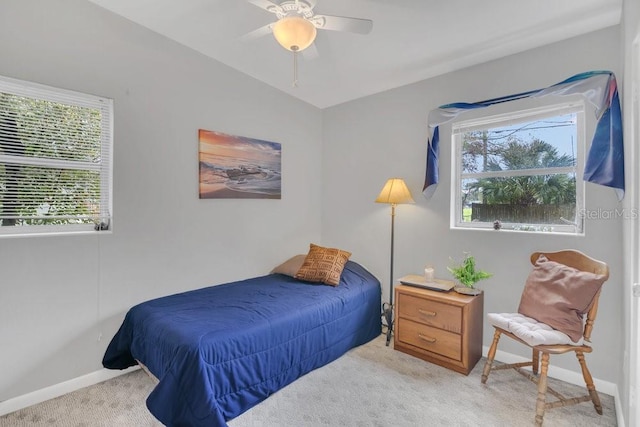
[(235, 167)]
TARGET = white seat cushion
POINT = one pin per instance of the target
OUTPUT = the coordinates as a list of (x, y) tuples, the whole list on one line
[(530, 330)]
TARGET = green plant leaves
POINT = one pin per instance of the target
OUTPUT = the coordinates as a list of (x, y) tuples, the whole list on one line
[(466, 272)]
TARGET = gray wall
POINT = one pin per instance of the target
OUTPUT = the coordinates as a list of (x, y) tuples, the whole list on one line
[(62, 298), (58, 295), (371, 139)]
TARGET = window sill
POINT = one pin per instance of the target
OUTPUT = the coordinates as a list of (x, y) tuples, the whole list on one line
[(54, 233), (512, 231)]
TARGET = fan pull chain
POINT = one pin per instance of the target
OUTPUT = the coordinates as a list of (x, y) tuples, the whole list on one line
[(295, 68)]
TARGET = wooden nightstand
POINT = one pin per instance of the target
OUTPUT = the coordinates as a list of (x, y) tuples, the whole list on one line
[(440, 327)]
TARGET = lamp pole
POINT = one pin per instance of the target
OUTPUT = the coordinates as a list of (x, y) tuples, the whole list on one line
[(388, 310), (393, 217)]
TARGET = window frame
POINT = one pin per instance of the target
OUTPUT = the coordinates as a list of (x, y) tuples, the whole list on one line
[(510, 113), (104, 166)]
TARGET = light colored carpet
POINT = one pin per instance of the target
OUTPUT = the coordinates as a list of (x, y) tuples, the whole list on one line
[(371, 385)]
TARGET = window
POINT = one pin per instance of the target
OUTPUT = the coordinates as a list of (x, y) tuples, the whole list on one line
[(520, 170), (55, 152)]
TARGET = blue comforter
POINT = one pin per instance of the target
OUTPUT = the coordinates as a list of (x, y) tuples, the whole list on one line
[(219, 351)]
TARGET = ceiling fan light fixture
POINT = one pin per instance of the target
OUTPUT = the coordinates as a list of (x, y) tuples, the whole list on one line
[(294, 33)]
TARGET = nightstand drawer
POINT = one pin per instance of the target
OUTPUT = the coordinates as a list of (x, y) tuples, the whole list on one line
[(431, 339), (433, 313)]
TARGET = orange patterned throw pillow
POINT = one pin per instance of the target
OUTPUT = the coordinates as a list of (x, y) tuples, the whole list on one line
[(323, 265)]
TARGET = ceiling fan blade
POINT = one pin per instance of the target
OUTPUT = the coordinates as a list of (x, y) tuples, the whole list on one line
[(267, 5), (311, 52), (257, 33), (342, 23)]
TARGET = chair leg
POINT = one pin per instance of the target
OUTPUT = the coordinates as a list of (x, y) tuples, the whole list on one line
[(535, 361), (490, 356), (589, 382), (542, 389)]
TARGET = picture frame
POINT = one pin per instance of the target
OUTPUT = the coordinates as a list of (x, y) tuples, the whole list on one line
[(238, 167)]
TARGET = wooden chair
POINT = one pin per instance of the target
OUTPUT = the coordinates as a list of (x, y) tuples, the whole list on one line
[(582, 262)]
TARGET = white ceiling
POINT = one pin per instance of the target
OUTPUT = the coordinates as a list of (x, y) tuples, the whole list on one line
[(411, 40)]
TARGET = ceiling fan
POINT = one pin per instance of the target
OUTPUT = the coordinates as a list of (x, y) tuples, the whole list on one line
[(295, 29)]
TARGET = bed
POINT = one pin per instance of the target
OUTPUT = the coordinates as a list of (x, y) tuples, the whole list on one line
[(219, 351)]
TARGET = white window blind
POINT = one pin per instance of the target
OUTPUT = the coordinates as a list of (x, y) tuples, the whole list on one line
[(55, 159)]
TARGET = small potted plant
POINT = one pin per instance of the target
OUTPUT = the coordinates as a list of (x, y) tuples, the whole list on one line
[(467, 275)]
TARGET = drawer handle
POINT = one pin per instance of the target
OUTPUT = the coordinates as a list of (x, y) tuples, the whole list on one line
[(426, 338), (427, 313)]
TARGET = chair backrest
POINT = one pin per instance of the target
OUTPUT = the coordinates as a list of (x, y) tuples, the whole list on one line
[(582, 262)]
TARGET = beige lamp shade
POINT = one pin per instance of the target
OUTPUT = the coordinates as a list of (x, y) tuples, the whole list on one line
[(395, 191), (294, 33)]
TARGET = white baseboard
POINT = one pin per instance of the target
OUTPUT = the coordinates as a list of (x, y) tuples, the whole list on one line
[(619, 416), (568, 376), (56, 390)]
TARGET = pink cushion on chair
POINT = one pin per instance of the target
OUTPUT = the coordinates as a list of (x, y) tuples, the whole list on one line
[(558, 296)]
